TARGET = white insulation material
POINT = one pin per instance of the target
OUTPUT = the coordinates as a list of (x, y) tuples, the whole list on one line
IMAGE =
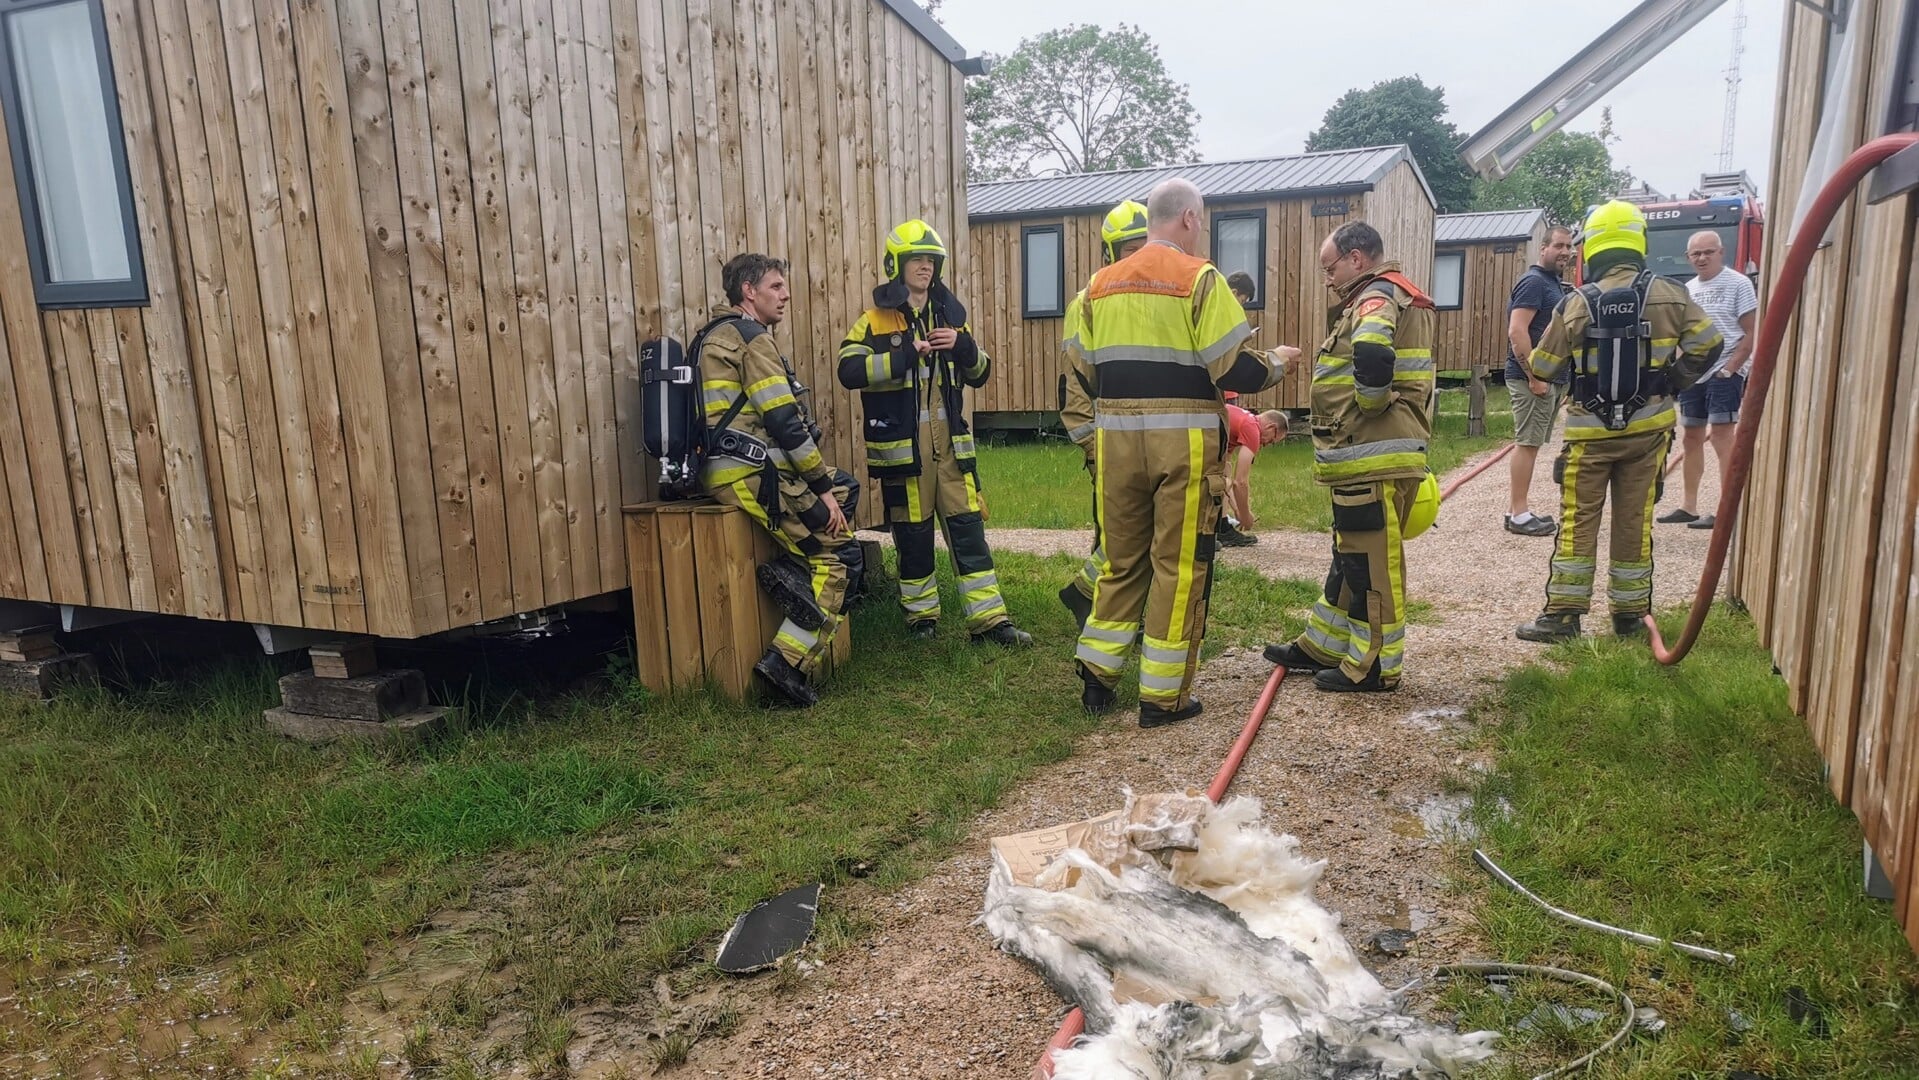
[(1214, 915)]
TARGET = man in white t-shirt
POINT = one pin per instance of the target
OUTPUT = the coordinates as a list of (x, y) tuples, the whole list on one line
[(1709, 409)]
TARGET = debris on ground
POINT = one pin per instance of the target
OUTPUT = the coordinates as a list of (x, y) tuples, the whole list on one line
[(773, 928)]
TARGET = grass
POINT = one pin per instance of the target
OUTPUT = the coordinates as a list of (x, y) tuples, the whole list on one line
[(161, 841), (1043, 485), (1687, 803)]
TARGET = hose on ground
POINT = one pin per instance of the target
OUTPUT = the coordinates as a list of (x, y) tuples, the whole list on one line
[(1487, 864), (1780, 307), (1576, 978)]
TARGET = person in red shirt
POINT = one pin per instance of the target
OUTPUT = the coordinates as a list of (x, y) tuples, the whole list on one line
[(1245, 435)]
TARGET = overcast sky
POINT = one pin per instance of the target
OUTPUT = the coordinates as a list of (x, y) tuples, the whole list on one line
[(1263, 74)]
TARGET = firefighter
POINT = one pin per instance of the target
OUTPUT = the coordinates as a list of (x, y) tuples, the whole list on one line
[(1673, 344), (1372, 415), (764, 457), (1159, 338), (1122, 233), (911, 355)]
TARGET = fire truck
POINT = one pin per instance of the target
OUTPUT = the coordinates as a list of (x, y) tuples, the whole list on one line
[(1725, 203)]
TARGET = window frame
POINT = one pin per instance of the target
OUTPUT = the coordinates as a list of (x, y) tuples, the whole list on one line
[(1460, 302), (1026, 308), (1258, 302), (130, 291)]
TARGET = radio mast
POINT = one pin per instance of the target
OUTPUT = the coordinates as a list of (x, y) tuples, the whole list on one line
[(1732, 86)]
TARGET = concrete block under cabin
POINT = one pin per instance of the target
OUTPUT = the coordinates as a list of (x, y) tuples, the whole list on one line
[(373, 698), (699, 615), (32, 662), (316, 707), (412, 727)]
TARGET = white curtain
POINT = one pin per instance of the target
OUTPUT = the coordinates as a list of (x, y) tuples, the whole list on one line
[(1043, 256)]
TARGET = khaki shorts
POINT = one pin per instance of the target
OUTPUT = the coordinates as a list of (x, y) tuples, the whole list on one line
[(1533, 413)]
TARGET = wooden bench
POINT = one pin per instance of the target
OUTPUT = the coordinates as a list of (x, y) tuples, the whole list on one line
[(699, 615)]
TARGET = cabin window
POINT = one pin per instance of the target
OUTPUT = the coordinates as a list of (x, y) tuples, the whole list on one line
[(1239, 247), (69, 158), (1449, 279), (1043, 269)]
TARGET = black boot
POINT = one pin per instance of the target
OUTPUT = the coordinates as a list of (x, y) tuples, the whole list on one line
[(1078, 603), (1551, 626), (1152, 716), (1227, 535), (1333, 680), (1003, 634), (786, 680), (1293, 658), (792, 591), (923, 630), (1093, 694), (1628, 626)]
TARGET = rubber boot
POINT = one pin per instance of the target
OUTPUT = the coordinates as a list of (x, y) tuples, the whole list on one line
[(1628, 626), (792, 592), (1293, 658), (1080, 604), (1551, 626), (786, 680), (1152, 716), (1093, 694), (1003, 634), (923, 630), (1334, 681)]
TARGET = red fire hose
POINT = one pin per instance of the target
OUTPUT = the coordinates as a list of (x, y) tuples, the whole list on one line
[(1779, 311)]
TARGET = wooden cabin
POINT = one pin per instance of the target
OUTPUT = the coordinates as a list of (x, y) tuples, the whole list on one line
[(1476, 259), (1825, 556), (1037, 241), (323, 313)]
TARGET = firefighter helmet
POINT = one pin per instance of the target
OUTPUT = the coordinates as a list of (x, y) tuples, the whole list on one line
[(910, 238), (1425, 509), (1612, 226), (1124, 222)]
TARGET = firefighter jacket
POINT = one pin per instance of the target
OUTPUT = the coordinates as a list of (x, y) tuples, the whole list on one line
[(1684, 347), (741, 357), (1154, 339), (1372, 397), (1076, 407), (901, 391)]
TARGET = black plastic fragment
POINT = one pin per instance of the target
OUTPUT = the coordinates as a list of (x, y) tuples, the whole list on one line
[(771, 930)]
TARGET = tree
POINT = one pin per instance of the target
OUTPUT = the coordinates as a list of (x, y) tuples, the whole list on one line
[(1080, 99), (1402, 110), (1567, 172)]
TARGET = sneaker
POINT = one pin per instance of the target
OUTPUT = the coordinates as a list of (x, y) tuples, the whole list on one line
[(1703, 522), (786, 680), (1628, 626), (1003, 634), (923, 630), (792, 592), (1677, 517), (1080, 604), (1096, 697), (1551, 626), (1228, 535), (1532, 526), (1293, 658), (1152, 716), (1335, 681)]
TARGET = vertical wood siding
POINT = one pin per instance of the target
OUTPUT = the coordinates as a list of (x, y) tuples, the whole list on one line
[(402, 254)]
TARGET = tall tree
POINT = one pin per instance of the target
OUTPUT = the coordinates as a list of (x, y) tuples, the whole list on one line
[(1402, 110), (1078, 99), (1567, 172)]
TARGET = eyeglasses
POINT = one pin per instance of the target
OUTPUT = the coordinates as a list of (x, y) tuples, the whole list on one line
[(1701, 254)]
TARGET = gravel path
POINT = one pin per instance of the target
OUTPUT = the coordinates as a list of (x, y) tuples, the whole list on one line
[(1361, 781)]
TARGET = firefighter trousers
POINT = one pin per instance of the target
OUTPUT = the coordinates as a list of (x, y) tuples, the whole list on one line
[(798, 525), (948, 494), (1157, 498), (1630, 471), (1095, 559), (1359, 619)]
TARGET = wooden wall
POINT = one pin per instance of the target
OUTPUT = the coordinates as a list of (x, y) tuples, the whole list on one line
[(1825, 554), (401, 253), (1026, 355), (1473, 335)]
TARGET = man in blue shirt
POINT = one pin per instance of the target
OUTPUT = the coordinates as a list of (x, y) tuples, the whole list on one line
[(1535, 401)]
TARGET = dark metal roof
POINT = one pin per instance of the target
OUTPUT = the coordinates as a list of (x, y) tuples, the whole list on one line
[(922, 23), (1488, 225), (1299, 174)]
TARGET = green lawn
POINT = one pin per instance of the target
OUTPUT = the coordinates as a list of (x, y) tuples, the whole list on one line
[(1043, 485), (1687, 803), (607, 837)]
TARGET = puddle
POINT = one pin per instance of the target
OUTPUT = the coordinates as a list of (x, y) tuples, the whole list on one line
[(1445, 817), (1432, 721), (1405, 917)]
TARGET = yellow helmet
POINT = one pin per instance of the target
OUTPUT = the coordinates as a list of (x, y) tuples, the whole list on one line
[(1425, 509), (1124, 222), (913, 237), (1611, 226)]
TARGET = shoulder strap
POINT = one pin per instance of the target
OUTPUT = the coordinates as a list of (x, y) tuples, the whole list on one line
[(748, 331)]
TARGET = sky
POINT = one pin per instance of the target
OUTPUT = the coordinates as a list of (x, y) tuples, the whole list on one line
[(1262, 75)]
